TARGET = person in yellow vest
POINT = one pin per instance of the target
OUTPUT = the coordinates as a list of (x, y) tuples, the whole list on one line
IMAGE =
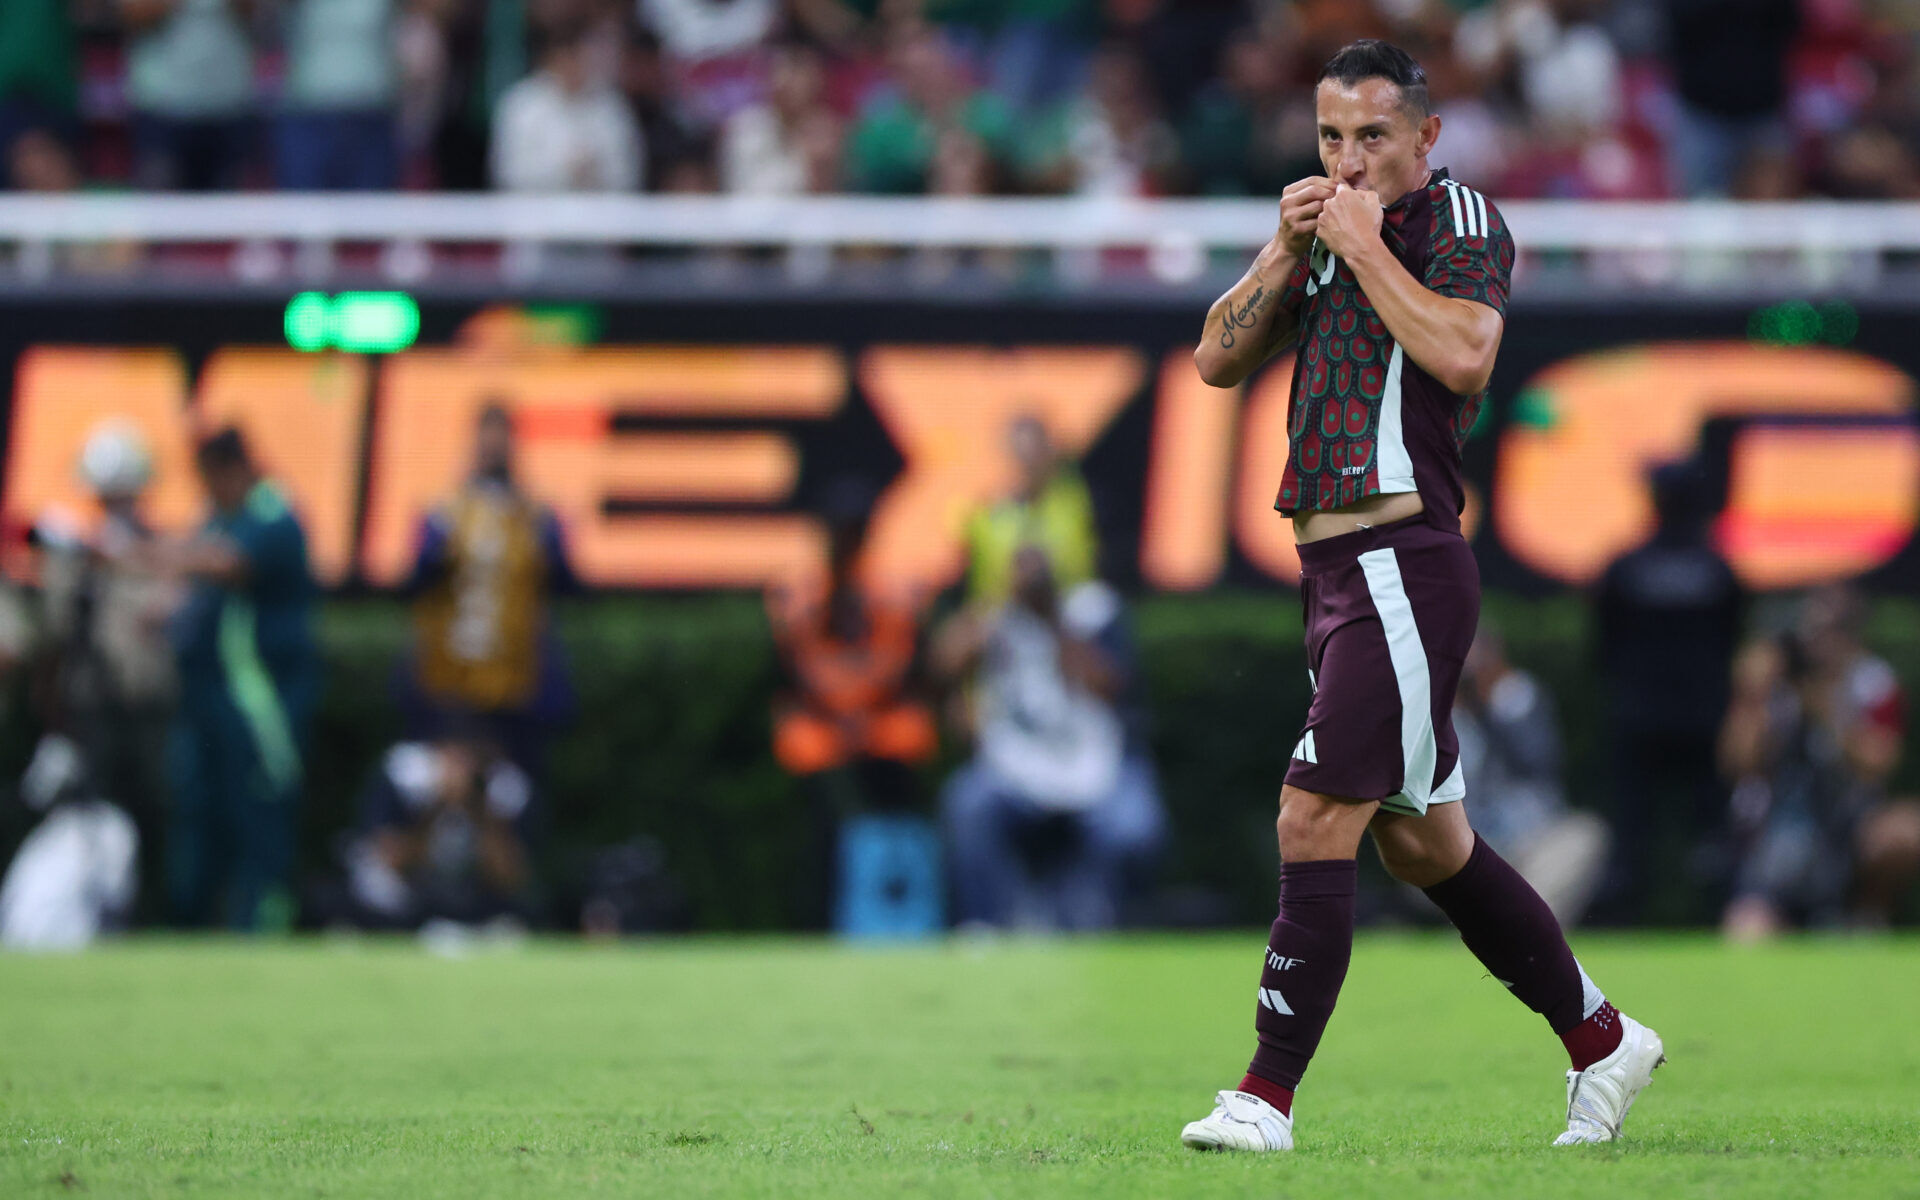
[(1049, 508), (490, 560)]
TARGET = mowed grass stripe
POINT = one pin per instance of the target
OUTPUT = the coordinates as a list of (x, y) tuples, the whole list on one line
[(774, 1067)]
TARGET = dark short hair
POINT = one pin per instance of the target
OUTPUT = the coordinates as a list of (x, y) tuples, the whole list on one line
[(224, 447), (1371, 58)]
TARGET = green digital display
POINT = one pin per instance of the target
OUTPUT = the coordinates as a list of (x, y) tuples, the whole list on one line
[(356, 322), (1798, 323)]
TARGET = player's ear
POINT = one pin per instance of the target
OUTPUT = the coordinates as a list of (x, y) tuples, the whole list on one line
[(1427, 134)]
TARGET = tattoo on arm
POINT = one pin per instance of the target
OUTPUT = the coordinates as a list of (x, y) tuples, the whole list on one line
[(1245, 317)]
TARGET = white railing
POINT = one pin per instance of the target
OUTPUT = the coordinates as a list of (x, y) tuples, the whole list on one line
[(876, 221)]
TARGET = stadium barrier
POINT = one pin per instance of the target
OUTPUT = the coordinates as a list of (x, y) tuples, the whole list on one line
[(1714, 245)]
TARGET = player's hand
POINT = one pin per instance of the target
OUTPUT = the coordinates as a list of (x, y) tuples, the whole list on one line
[(1300, 206), (1350, 221)]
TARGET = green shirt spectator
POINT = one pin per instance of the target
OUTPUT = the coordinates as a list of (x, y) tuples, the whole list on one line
[(892, 148), (37, 55)]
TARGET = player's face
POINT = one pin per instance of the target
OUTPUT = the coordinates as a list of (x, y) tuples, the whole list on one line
[(1369, 140)]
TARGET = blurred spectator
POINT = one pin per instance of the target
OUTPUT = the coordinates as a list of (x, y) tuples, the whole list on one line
[(669, 134), (490, 560), (1814, 731), (1251, 131), (337, 126), (425, 79), (790, 144), (559, 130), (850, 649), (190, 85), (933, 131), (1566, 66), (1667, 622), (38, 161), (1510, 753), (1110, 141), (693, 30), (1050, 508), (442, 836), (1031, 52), (1729, 61), (249, 680), (1872, 163), (1056, 818), (111, 665), (849, 723), (1180, 41), (1567, 74), (714, 51), (39, 58)]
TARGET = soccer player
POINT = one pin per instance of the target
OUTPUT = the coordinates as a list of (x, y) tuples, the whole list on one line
[(1392, 278)]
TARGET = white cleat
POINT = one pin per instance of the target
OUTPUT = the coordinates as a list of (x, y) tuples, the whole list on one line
[(1598, 1098), (1240, 1122)]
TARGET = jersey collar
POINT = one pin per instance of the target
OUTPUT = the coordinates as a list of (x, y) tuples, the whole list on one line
[(1433, 176)]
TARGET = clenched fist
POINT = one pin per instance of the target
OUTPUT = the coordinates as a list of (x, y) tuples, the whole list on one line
[(1300, 206), (1350, 220)]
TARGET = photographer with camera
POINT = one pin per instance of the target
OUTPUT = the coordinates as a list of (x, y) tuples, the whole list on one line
[(1811, 737), (106, 682)]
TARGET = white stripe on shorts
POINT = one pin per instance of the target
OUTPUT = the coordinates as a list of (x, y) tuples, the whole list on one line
[(1419, 752)]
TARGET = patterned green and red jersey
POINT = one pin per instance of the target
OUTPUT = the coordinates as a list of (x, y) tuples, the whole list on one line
[(1364, 419)]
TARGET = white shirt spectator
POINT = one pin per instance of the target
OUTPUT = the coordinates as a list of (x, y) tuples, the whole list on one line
[(195, 64), (342, 56), (758, 158), (549, 139), (1059, 744), (694, 30)]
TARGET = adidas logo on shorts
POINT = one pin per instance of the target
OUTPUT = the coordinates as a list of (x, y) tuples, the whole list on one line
[(1305, 751)]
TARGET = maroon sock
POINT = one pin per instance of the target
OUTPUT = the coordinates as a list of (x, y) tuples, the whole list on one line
[(1280, 1097), (1514, 934), (1307, 956), (1594, 1038)]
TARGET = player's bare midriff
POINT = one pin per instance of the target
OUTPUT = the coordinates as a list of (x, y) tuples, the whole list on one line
[(1311, 525)]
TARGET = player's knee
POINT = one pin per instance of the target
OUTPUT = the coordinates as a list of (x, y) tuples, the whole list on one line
[(1312, 827)]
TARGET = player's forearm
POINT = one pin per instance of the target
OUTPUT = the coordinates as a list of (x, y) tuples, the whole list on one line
[(1453, 340), (1246, 325)]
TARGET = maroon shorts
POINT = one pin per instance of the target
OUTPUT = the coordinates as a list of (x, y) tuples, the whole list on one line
[(1390, 614)]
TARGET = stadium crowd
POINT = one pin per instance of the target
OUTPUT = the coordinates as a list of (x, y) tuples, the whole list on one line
[(1760, 99)]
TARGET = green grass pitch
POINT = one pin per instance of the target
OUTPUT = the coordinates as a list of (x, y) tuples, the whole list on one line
[(792, 1068)]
